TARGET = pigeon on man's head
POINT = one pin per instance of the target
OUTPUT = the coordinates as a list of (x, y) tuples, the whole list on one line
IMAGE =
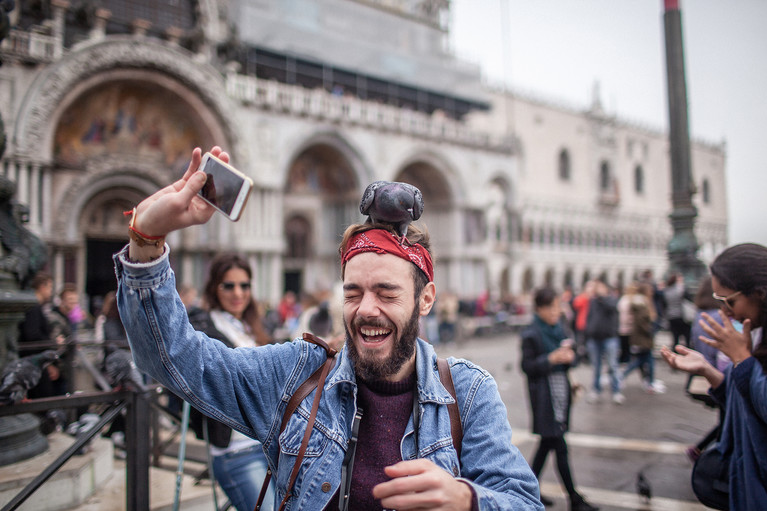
[(121, 371), (397, 204), (23, 374)]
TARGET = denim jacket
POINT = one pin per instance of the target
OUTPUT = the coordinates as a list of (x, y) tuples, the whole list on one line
[(249, 388), (743, 394)]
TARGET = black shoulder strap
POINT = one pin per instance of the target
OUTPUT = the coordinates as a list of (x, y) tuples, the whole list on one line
[(456, 430)]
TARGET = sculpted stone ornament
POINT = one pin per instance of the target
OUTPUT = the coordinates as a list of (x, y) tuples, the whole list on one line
[(23, 254)]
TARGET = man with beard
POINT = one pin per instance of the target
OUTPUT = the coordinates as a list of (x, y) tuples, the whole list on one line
[(384, 383)]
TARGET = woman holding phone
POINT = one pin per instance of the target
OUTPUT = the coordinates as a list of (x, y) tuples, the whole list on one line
[(547, 354)]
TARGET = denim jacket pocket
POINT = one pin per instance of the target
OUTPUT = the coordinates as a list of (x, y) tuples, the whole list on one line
[(443, 454), (290, 444), (293, 435)]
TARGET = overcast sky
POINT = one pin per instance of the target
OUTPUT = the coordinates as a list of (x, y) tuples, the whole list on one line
[(558, 49)]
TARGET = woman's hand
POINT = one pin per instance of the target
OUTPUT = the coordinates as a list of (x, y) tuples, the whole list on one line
[(562, 355), (736, 345), (693, 362), (177, 205)]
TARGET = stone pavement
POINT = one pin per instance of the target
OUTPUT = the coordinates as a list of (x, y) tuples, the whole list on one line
[(609, 443)]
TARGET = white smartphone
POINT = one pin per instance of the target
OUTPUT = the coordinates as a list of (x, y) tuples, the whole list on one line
[(226, 189)]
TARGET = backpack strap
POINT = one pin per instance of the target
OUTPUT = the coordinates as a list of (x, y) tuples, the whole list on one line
[(456, 430), (315, 381)]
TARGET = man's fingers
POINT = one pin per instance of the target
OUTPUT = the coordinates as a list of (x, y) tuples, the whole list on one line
[(193, 185), (407, 468), (194, 163), (408, 477)]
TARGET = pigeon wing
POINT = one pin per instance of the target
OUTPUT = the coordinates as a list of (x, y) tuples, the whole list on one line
[(417, 201), (369, 196)]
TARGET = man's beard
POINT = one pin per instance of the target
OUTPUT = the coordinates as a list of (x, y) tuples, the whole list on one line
[(373, 369)]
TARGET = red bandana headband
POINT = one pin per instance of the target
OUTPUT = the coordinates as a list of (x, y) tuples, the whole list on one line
[(381, 241)]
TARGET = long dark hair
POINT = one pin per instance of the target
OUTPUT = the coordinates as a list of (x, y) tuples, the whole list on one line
[(218, 268), (744, 268)]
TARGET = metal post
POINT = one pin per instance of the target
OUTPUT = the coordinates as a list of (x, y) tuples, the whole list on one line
[(137, 443), (683, 246)]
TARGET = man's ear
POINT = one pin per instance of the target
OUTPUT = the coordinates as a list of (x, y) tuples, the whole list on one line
[(427, 298)]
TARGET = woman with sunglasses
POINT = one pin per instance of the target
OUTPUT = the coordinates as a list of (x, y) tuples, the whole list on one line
[(739, 282), (231, 315)]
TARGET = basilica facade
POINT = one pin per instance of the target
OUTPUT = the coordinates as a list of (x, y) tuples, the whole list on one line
[(104, 100)]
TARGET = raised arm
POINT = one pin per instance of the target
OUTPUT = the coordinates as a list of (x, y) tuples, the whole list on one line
[(174, 207)]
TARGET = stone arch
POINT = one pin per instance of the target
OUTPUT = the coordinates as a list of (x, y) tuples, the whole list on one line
[(528, 280), (502, 222), (568, 279), (123, 57), (132, 183), (549, 277), (450, 179), (323, 187), (433, 178), (336, 141)]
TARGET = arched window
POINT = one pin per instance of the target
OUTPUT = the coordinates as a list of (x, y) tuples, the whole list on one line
[(639, 180), (604, 176), (706, 192), (564, 165)]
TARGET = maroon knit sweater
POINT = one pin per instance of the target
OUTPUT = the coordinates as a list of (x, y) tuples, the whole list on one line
[(387, 407)]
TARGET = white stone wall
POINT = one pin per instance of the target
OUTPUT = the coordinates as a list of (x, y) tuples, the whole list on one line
[(505, 221)]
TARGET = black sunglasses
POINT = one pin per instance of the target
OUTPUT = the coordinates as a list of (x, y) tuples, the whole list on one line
[(229, 286)]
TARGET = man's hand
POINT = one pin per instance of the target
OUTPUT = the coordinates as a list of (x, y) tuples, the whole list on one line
[(177, 205), (420, 484)]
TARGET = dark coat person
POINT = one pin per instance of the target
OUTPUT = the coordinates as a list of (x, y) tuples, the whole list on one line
[(547, 354)]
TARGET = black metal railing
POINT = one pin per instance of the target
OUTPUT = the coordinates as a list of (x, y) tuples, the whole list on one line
[(143, 440), (136, 439)]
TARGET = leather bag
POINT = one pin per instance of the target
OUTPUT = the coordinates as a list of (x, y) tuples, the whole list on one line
[(711, 478)]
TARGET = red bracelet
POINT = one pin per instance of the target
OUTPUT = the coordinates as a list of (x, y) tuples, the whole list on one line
[(139, 237)]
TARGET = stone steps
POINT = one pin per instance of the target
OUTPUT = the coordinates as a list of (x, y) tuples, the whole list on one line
[(95, 481), (70, 485)]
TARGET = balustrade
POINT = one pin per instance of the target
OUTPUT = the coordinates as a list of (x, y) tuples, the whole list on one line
[(323, 105)]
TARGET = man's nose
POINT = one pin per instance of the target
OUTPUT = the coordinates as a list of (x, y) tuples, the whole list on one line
[(369, 306)]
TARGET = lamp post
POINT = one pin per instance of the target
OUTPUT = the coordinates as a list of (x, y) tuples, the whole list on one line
[(683, 246)]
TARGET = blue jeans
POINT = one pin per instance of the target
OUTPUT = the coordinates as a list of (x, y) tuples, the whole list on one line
[(610, 347), (643, 358), (240, 475)]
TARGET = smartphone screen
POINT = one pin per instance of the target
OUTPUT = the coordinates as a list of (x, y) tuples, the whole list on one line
[(223, 188)]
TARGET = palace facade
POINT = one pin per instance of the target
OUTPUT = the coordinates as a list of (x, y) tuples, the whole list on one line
[(104, 100)]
